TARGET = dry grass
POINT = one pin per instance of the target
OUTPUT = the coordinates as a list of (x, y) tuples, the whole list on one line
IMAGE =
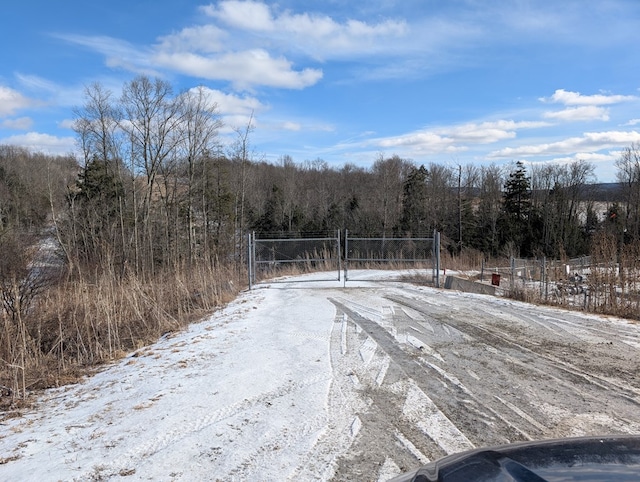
[(79, 324), (610, 287)]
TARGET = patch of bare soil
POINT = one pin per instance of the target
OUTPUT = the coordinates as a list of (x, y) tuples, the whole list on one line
[(440, 377)]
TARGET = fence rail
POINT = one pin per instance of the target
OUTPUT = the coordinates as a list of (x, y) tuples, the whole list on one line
[(602, 287), (371, 252), (268, 255)]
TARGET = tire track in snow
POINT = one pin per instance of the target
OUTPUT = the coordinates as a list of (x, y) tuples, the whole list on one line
[(453, 399), (629, 393), (410, 366), (541, 380), (183, 430), (342, 405)]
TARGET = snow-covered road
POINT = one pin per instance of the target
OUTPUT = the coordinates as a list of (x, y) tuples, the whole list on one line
[(314, 381)]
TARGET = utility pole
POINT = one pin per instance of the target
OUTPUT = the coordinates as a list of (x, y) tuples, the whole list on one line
[(460, 207)]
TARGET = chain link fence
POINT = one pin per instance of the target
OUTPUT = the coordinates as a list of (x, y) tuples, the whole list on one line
[(273, 255), (392, 253), (278, 255), (600, 287)]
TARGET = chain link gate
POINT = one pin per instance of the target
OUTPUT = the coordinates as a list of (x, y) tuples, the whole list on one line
[(268, 256), (371, 252)]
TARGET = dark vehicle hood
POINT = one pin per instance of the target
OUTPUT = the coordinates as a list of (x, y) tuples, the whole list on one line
[(608, 458)]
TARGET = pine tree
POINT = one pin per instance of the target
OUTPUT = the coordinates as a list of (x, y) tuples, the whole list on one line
[(517, 220), (517, 194), (414, 194)]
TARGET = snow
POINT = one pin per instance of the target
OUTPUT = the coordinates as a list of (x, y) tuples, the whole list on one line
[(243, 392), (264, 389)]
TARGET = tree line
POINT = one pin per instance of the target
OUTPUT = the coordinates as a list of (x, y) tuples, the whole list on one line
[(157, 205), (154, 188)]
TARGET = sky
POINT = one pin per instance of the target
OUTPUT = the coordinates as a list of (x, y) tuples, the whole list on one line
[(453, 82)]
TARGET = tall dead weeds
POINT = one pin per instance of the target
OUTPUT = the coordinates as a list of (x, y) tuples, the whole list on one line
[(83, 322)]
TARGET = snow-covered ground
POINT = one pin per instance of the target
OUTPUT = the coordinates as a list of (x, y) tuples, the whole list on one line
[(317, 381)]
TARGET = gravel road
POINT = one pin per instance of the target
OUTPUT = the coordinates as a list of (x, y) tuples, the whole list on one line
[(441, 372), (316, 381)]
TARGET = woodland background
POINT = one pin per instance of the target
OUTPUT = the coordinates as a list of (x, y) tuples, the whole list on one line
[(146, 229)]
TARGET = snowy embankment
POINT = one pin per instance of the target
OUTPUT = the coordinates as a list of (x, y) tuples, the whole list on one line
[(240, 395), (314, 381)]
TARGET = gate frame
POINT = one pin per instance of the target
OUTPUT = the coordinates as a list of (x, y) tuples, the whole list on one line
[(342, 257), (253, 263), (435, 254)]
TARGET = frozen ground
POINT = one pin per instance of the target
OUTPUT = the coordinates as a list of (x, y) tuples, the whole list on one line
[(314, 381)]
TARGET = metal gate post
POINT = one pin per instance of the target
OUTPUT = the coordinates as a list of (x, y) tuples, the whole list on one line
[(436, 255), (346, 255), (338, 253), (513, 274), (249, 260)]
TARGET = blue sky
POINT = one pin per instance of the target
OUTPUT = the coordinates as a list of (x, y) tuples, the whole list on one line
[(453, 82)]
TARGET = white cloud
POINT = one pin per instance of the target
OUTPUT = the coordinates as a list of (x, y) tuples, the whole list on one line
[(632, 122), (67, 123), (118, 53), (589, 141), (12, 101), (488, 132), (242, 69), (594, 157), (39, 84), (55, 93), (22, 123), (291, 126), (421, 142), (45, 143), (581, 113), (203, 38), (456, 138), (231, 104), (562, 96), (236, 111), (245, 15), (313, 32)]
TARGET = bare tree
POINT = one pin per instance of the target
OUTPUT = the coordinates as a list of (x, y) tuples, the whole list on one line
[(389, 177), (489, 208), (200, 124), (241, 156), (628, 175), (557, 191), (151, 120), (96, 125)]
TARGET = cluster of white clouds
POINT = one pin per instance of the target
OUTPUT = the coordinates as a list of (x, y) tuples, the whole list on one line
[(587, 142), (456, 138), (317, 35), (211, 51), (465, 137), (580, 107), (251, 46)]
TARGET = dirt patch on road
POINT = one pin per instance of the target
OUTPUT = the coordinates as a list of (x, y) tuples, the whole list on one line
[(472, 374)]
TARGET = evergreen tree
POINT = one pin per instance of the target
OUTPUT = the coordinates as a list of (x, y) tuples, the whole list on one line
[(517, 194), (414, 195), (97, 206), (518, 223), (99, 184)]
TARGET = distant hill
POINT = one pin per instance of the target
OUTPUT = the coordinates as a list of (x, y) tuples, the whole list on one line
[(604, 191)]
